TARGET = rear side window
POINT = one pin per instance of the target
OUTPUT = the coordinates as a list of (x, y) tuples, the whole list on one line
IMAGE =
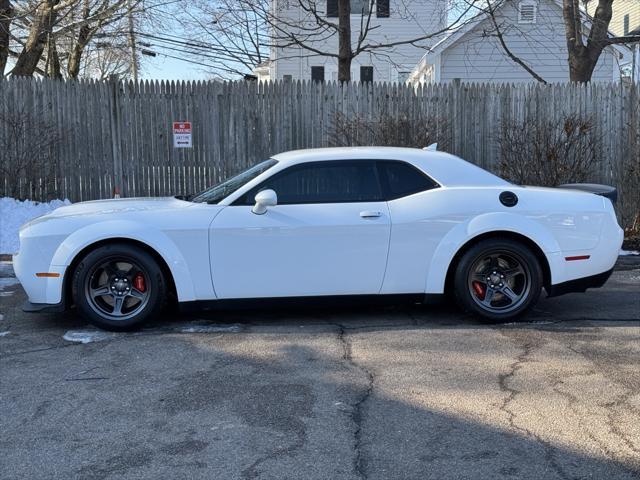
[(400, 179), (322, 182)]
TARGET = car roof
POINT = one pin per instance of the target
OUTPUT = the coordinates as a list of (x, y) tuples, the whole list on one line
[(446, 169)]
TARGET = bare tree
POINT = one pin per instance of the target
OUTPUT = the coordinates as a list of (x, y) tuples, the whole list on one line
[(548, 153), (6, 11), (318, 25), (228, 34), (497, 29), (238, 35), (29, 145), (398, 130), (45, 16), (584, 54), (102, 60), (58, 33)]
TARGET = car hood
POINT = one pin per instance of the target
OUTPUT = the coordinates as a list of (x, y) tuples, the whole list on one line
[(120, 205)]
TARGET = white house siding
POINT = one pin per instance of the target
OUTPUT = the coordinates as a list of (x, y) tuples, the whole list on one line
[(620, 8), (477, 57), (408, 19)]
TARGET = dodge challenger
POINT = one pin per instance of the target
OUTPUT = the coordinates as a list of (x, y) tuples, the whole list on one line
[(367, 222)]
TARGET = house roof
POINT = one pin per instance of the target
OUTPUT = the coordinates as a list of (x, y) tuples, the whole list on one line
[(451, 39)]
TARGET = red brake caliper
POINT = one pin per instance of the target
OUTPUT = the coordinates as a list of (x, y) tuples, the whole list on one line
[(139, 283), (480, 290)]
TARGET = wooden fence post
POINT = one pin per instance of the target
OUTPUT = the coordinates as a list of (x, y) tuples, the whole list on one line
[(116, 145)]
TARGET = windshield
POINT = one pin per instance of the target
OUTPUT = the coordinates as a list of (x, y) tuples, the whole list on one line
[(226, 188)]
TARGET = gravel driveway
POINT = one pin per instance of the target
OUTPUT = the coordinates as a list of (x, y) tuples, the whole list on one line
[(379, 393)]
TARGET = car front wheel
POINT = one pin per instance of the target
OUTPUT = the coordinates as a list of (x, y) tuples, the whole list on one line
[(118, 287), (498, 279)]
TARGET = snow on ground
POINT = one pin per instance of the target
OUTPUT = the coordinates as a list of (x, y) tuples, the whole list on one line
[(88, 336), (209, 328), (628, 252), (14, 213)]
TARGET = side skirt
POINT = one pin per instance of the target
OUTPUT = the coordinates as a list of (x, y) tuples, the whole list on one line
[(306, 302)]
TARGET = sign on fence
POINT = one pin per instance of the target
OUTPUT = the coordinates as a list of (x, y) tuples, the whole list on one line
[(182, 135)]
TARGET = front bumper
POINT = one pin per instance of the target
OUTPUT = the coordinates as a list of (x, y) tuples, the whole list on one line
[(580, 284), (29, 307), (27, 263)]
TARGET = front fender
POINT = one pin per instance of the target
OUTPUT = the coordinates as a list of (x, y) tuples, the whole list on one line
[(466, 231), (126, 229)]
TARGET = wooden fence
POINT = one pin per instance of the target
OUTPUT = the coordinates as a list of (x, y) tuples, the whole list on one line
[(95, 137)]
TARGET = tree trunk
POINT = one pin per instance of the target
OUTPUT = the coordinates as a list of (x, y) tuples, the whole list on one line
[(345, 54), (584, 58), (73, 66), (5, 23), (43, 22), (582, 63), (53, 61)]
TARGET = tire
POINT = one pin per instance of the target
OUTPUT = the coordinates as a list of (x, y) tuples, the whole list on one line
[(118, 287), (498, 280)]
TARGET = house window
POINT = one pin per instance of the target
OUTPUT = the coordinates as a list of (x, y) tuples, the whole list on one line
[(332, 8), (317, 74), (626, 24), (403, 76), (527, 12), (366, 74), (358, 7), (287, 78), (382, 9)]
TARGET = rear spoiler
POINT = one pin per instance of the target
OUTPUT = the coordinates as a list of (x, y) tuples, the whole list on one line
[(604, 190)]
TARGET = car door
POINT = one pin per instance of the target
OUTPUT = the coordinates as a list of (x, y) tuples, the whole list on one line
[(328, 235)]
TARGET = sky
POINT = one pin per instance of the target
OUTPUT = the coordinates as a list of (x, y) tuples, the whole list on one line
[(161, 68)]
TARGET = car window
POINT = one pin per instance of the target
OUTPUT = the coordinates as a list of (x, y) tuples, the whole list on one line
[(322, 182), (226, 188), (400, 179)]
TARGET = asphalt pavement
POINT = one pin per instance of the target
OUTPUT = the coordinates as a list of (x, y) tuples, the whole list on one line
[(398, 392)]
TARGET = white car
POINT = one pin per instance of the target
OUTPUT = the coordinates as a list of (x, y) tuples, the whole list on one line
[(362, 221)]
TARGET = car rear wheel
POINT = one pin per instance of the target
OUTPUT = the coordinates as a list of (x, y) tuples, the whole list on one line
[(498, 279), (118, 287)]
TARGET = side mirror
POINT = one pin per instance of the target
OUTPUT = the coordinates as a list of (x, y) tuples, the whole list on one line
[(264, 199)]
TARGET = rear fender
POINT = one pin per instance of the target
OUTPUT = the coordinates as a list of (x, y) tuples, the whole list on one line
[(124, 229), (465, 232)]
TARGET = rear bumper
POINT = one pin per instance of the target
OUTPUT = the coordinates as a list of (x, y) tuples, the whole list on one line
[(579, 284)]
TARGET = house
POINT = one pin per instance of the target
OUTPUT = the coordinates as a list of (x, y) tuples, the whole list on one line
[(625, 20), (533, 31), (391, 21), (625, 15)]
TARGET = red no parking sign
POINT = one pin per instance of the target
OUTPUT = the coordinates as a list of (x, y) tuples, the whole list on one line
[(182, 134)]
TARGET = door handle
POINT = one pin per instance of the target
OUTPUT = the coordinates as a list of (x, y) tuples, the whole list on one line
[(370, 214)]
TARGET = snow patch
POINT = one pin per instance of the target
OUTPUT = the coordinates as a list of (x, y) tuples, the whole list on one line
[(6, 269), (4, 334), (1, 317), (7, 282), (209, 328), (14, 213), (628, 252), (88, 336), (533, 322)]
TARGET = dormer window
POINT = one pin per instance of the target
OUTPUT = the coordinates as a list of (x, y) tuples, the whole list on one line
[(527, 12)]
